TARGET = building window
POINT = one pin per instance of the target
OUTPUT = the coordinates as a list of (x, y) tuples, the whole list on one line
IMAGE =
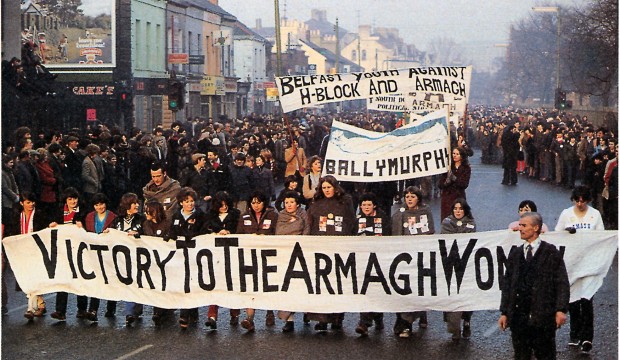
[(354, 55), (363, 55)]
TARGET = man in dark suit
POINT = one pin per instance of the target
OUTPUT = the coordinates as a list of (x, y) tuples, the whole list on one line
[(535, 293)]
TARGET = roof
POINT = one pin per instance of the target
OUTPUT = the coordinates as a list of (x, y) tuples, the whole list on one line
[(216, 9), (240, 29), (330, 56)]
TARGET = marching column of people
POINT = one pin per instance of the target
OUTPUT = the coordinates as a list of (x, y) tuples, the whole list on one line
[(216, 187)]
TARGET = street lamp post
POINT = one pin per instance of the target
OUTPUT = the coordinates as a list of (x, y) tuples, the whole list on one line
[(554, 9)]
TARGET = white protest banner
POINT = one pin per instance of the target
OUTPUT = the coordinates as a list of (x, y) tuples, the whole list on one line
[(417, 103), (296, 273), (411, 151), (305, 90)]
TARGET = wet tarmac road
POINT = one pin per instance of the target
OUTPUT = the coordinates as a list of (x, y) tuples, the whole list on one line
[(493, 205)]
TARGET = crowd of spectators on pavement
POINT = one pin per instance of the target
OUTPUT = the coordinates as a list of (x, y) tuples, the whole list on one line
[(221, 177)]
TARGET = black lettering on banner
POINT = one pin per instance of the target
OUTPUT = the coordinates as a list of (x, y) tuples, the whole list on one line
[(426, 156), (353, 172), (50, 259), (264, 254), (291, 273), (248, 269), (323, 272), (380, 166), (562, 250), (393, 166), (161, 264), (285, 84), (127, 280), (80, 262), (305, 96), (70, 258), (440, 156), (186, 272), (346, 268), (201, 282), (143, 267), (406, 289), (373, 263), (330, 166), (343, 166), (405, 165), (416, 162), (366, 172), (502, 259), (453, 262), (226, 243), (99, 249), (423, 272), (486, 254)]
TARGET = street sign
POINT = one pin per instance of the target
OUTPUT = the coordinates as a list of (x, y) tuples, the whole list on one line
[(311, 69), (178, 58), (196, 59)]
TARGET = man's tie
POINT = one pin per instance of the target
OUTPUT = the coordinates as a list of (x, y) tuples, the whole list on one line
[(529, 255)]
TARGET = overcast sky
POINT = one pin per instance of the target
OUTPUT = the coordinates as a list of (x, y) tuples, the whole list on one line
[(476, 24)]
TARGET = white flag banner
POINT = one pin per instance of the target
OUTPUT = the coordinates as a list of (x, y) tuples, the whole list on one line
[(450, 83), (417, 103), (297, 273), (415, 150)]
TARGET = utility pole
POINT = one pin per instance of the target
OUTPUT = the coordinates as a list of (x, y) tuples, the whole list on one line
[(359, 43), (278, 39), (337, 47)]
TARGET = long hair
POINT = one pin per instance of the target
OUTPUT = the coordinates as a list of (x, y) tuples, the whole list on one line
[(338, 190), (156, 210), (464, 157), (126, 200), (464, 205), (311, 161), (217, 200)]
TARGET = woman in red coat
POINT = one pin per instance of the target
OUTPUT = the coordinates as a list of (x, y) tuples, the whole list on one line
[(455, 181)]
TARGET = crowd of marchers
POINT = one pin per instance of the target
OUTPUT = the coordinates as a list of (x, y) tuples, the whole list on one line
[(207, 177)]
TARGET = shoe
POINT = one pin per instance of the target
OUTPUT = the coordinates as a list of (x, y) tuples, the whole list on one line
[(456, 338), (234, 320), (58, 316), (109, 314), (271, 319), (306, 319), (466, 330), (5, 310), (248, 325), (129, 319), (504, 183), (362, 329), (574, 342), (40, 312), (337, 326), (320, 327), (289, 326), (211, 323), (423, 323), (92, 316), (156, 319), (405, 333), (586, 346), (379, 325), (29, 315), (183, 323), (81, 314)]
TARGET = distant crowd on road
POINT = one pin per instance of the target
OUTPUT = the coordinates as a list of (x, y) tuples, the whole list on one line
[(208, 177)]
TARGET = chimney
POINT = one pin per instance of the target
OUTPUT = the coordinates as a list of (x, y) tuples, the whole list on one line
[(364, 31), (259, 24), (214, 2)]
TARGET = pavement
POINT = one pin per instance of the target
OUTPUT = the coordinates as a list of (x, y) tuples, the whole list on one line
[(494, 206)]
